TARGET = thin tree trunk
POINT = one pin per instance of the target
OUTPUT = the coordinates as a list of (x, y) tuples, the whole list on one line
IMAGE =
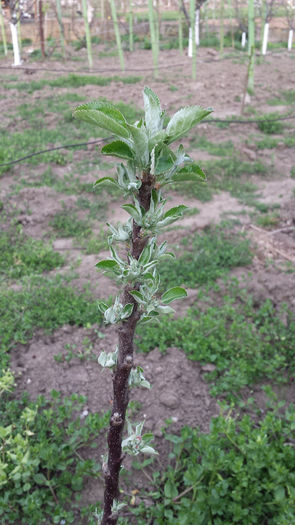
[(61, 27), (87, 33), (131, 40), (221, 34), (180, 28), (265, 38), (41, 28), (117, 33), (3, 31), (290, 40), (16, 52), (193, 38), (122, 372), (153, 37)]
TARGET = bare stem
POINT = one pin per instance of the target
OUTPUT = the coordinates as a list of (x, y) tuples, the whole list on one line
[(122, 372)]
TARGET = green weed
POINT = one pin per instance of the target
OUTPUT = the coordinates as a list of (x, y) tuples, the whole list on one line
[(42, 470), (246, 343), (287, 97), (269, 125), (67, 224), (71, 81), (207, 256), (21, 255), (269, 220), (221, 149), (242, 471), (42, 303)]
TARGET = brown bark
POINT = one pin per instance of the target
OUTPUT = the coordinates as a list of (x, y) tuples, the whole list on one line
[(122, 372)]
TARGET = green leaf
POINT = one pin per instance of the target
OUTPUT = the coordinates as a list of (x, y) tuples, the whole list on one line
[(184, 120), (104, 179), (170, 489), (153, 112), (140, 144), (106, 264), (191, 172), (137, 295), (127, 310), (132, 211), (174, 293), (164, 160), (104, 115), (40, 479), (118, 149), (177, 210)]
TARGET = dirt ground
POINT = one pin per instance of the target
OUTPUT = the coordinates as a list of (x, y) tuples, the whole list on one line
[(220, 84)]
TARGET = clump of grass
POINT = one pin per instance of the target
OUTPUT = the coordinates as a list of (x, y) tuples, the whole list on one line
[(71, 81), (67, 224), (42, 303), (21, 255), (269, 125), (206, 257), (221, 149), (287, 97), (268, 220)]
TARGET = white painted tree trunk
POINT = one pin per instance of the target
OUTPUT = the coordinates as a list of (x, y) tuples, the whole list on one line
[(197, 27), (243, 39), (265, 38), (15, 45), (190, 44), (290, 40)]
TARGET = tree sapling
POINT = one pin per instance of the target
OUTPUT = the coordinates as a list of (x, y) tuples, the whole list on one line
[(150, 166)]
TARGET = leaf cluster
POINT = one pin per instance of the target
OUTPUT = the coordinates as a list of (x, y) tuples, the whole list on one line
[(40, 470), (241, 472)]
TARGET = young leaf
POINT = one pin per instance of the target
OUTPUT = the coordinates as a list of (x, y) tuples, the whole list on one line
[(104, 115), (127, 310), (153, 111), (104, 179), (191, 172), (133, 212), (176, 211), (140, 144), (118, 149), (107, 264), (184, 120), (174, 293)]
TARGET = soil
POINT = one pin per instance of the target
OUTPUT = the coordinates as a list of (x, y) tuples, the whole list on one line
[(179, 392)]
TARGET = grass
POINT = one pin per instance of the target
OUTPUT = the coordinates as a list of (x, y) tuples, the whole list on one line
[(71, 81), (37, 135), (286, 98), (206, 257), (247, 344), (67, 224), (227, 174), (220, 149), (21, 255), (42, 303)]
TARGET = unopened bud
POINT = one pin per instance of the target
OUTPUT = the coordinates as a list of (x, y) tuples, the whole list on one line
[(116, 419)]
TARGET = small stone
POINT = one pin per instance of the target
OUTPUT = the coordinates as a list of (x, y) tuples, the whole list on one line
[(29, 381), (169, 400), (159, 370), (174, 419), (158, 433), (250, 153), (208, 368)]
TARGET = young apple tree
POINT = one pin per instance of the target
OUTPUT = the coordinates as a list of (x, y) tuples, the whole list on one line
[(150, 165)]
